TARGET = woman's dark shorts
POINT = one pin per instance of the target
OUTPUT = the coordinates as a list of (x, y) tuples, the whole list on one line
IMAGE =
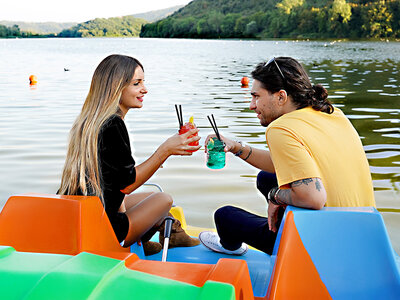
[(120, 224)]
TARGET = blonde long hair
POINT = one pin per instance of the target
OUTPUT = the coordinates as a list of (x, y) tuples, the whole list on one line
[(81, 170)]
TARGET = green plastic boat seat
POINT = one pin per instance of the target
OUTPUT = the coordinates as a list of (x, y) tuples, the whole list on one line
[(87, 276)]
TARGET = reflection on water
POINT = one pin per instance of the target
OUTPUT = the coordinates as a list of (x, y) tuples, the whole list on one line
[(204, 76)]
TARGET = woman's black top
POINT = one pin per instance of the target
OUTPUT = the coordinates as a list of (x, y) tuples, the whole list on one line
[(117, 169)]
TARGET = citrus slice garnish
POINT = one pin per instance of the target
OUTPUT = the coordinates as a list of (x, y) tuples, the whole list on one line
[(210, 144)]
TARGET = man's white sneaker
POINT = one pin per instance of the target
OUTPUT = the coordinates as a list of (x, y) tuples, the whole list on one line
[(210, 239)]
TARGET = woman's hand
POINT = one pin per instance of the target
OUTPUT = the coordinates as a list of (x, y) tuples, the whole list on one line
[(179, 144), (175, 145)]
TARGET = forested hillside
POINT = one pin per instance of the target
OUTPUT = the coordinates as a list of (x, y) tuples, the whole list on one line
[(281, 19), (12, 31), (119, 26), (15, 32), (122, 26), (38, 27)]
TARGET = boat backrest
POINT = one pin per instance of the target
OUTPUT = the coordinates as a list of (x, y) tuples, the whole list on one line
[(58, 224), (339, 253)]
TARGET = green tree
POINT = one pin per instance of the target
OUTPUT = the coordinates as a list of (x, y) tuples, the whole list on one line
[(3, 31), (356, 22), (14, 31), (378, 21), (203, 28), (309, 24), (395, 9), (165, 27), (262, 20), (185, 27), (339, 16), (340, 11), (228, 25), (251, 29), (287, 5), (215, 20), (240, 26)]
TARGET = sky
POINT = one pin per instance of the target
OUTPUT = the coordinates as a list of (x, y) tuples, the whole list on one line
[(78, 10)]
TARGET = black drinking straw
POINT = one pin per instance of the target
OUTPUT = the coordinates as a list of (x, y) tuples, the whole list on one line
[(180, 111), (179, 114), (214, 126)]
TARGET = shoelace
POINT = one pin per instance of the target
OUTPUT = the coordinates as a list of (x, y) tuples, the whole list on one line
[(215, 243)]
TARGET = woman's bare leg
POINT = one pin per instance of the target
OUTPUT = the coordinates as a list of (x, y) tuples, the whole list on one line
[(132, 199), (146, 213)]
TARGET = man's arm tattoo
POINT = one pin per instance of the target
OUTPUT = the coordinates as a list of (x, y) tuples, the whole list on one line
[(318, 185), (284, 197), (306, 181), (301, 181)]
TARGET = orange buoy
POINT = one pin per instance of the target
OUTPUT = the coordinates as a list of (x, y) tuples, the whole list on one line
[(245, 81), (32, 80)]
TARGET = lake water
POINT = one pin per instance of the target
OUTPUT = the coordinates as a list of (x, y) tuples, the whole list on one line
[(204, 76)]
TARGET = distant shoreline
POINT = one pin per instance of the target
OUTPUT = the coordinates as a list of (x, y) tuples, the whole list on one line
[(384, 40)]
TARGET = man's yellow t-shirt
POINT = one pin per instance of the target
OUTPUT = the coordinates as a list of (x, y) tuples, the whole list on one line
[(306, 143)]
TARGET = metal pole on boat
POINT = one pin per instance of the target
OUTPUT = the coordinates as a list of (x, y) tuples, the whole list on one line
[(167, 233)]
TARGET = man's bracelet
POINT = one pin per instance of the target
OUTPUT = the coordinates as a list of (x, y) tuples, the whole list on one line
[(240, 152), (271, 196), (248, 155)]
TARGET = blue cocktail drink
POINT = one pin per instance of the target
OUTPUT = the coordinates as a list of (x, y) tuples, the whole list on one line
[(215, 153)]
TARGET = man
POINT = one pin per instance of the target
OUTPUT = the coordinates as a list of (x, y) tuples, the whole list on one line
[(315, 158)]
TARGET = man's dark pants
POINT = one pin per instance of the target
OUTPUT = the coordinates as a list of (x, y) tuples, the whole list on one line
[(235, 225)]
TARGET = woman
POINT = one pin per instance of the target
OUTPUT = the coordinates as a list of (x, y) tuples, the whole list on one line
[(99, 160)]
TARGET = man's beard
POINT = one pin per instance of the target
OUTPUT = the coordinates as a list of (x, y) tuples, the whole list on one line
[(264, 122)]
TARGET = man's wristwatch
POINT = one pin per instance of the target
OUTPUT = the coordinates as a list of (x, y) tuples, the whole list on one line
[(240, 152)]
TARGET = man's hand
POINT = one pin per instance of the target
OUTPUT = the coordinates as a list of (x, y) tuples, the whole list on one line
[(229, 144), (272, 216)]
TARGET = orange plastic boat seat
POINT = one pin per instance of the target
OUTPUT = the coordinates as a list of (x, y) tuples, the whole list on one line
[(295, 275), (231, 271), (58, 224)]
